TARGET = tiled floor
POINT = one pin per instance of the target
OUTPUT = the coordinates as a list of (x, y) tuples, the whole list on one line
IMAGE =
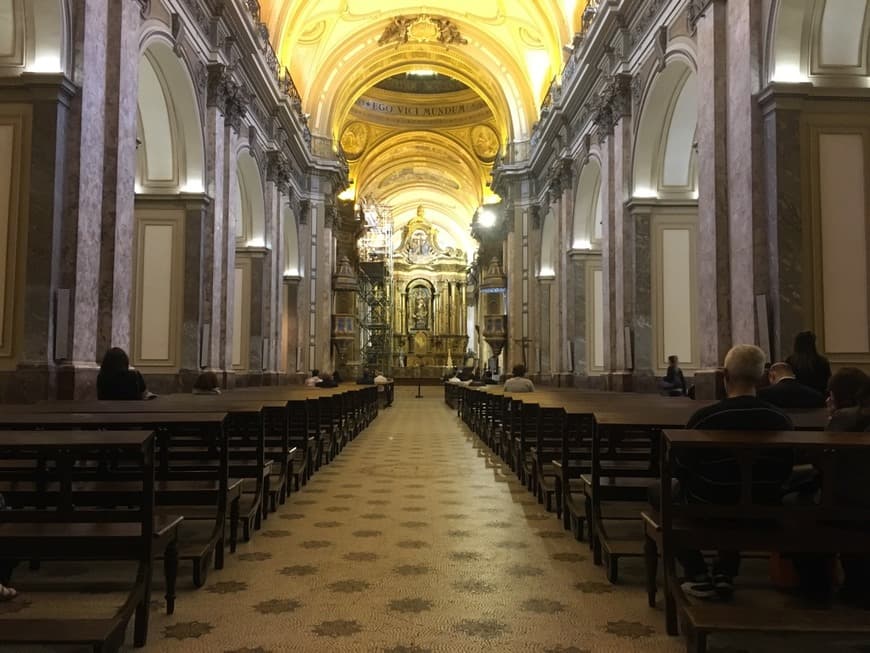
[(416, 540)]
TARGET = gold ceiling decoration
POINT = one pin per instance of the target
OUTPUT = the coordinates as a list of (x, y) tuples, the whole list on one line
[(422, 29)]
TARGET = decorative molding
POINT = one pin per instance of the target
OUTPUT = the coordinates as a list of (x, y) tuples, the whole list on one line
[(227, 95), (304, 210), (144, 8), (535, 216), (422, 29), (696, 9)]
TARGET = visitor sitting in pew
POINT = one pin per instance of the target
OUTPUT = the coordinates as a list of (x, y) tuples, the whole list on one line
[(810, 367), (785, 391), (518, 382), (712, 476), (118, 381), (336, 376), (674, 383), (207, 384), (845, 388), (326, 381), (849, 403), (851, 486), (314, 379), (367, 378)]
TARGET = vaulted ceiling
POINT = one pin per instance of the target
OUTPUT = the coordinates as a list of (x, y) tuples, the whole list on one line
[(435, 147)]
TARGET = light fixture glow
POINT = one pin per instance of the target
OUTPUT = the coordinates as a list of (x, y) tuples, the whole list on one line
[(46, 63), (422, 72), (583, 244), (348, 194), (645, 193), (487, 218), (193, 186), (256, 242), (789, 73)]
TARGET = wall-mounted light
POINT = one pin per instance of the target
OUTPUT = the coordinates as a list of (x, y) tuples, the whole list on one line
[(583, 244), (487, 218), (256, 242)]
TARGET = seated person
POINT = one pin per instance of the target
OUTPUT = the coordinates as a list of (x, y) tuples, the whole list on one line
[(851, 484), (518, 382), (845, 388), (326, 381), (207, 384), (117, 381), (380, 379), (314, 379), (785, 391), (674, 383), (487, 378), (712, 476), (367, 378), (336, 377)]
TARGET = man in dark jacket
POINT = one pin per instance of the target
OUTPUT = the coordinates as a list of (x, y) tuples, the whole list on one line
[(712, 476), (785, 391)]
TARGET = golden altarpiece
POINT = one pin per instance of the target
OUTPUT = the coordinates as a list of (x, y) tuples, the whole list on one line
[(430, 310)]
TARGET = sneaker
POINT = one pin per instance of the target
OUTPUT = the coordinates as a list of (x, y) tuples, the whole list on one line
[(701, 587), (724, 586)]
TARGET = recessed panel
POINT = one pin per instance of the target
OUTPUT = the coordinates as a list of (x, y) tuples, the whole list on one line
[(676, 291), (156, 293), (844, 242)]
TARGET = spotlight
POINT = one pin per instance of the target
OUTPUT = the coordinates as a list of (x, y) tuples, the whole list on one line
[(487, 218)]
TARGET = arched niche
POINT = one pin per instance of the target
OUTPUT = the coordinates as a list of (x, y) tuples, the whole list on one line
[(587, 207), (547, 269), (809, 40), (34, 37), (292, 261), (249, 205), (665, 165), (171, 149)]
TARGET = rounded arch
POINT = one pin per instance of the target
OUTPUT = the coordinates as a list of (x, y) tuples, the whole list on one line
[(587, 206), (331, 98), (809, 40), (292, 263), (664, 151), (547, 268), (171, 152), (250, 205), (35, 37)]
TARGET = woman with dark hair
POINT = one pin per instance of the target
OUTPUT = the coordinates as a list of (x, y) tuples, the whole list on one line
[(117, 380), (810, 367)]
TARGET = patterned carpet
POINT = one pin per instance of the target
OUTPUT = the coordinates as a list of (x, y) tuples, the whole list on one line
[(414, 539)]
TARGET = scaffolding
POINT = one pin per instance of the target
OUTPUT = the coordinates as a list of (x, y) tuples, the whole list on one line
[(376, 289)]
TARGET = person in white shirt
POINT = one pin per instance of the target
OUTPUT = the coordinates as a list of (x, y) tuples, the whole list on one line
[(314, 379), (518, 382)]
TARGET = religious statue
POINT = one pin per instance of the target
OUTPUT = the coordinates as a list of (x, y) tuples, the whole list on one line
[(420, 308)]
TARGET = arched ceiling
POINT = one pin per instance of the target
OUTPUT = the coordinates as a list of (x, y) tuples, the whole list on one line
[(513, 50), (490, 64)]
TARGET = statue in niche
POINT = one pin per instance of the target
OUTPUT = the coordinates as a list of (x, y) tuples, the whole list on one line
[(419, 301)]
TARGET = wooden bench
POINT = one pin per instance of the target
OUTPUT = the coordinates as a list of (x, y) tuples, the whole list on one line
[(826, 527), (84, 495), (192, 474)]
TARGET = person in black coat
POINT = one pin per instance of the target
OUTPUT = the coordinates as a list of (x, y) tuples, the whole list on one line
[(810, 367), (674, 383), (785, 391), (117, 380)]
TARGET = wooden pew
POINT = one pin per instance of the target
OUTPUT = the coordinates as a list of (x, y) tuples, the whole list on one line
[(828, 527), (246, 438), (192, 475), (65, 491)]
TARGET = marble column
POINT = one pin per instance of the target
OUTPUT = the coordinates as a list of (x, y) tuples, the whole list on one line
[(544, 362), (714, 261), (258, 258), (786, 228), (747, 232), (610, 189), (306, 297), (119, 175), (226, 251), (213, 277), (516, 280), (640, 292), (322, 300), (50, 99)]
